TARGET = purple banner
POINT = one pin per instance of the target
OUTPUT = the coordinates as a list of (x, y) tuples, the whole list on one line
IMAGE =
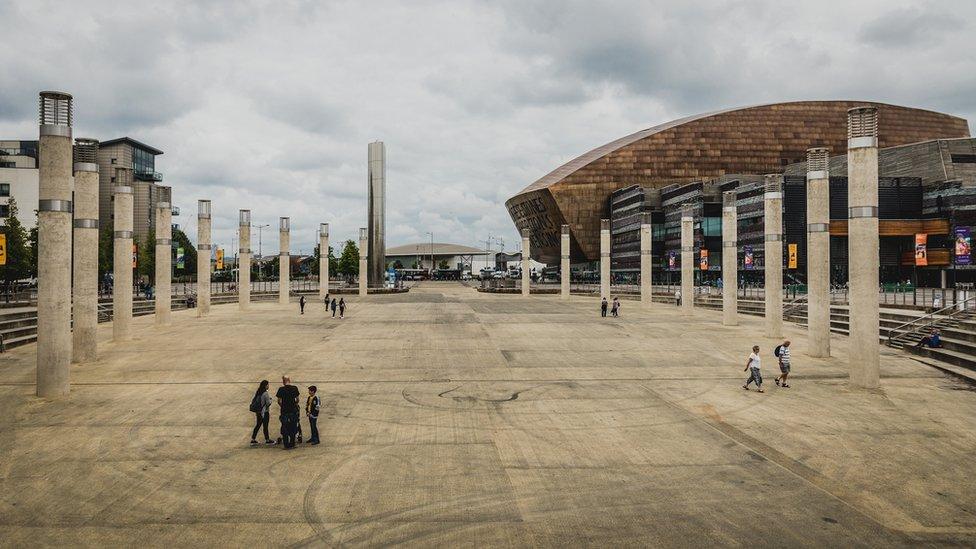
[(747, 258), (963, 246), (671, 259)]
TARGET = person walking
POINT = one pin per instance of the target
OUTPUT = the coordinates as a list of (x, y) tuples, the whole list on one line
[(333, 307), (783, 353), (288, 403), (261, 406), (752, 366), (342, 308), (301, 304), (615, 308), (312, 406), (677, 298), (327, 301), (603, 307)]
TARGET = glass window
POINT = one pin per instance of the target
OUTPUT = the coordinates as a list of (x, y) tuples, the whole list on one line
[(4, 210), (114, 160), (143, 161), (711, 226), (4, 189)]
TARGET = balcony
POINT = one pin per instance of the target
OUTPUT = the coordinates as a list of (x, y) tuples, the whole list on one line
[(147, 176)]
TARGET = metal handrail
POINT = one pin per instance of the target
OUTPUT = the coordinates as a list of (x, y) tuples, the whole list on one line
[(795, 304), (930, 315)]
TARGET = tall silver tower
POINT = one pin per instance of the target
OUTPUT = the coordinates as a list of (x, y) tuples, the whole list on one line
[(376, 222)]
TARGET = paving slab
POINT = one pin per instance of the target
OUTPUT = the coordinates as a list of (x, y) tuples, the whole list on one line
[(455, 418)]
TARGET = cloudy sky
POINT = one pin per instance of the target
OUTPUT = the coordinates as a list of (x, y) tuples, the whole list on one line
[(270, 105)]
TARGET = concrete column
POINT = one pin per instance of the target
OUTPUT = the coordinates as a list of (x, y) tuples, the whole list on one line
[(646, 260), (605, 258), (363, 260), (203, 257), (164, 262), (85, 298), (54, 245), (863, 244), (526, 271), (376, 236), (730, 259), (323, 260), (688, 258), (818, 253), (284, 259), (773, 255), (122, 262), (564, 266), (244, 261)]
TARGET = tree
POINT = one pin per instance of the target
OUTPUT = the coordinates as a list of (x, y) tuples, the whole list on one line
[(18, 248), (397, 264), (415, 265), (189, 253), (443, 264), (106, 249), (146, 258), (33, 250), (348, 263), (333, 262)]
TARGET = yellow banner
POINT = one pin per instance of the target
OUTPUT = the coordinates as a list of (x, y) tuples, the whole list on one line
[(792, 255), (220, 259), (3, 249)]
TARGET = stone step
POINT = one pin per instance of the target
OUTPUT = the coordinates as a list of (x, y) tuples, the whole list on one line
[(957, 358)]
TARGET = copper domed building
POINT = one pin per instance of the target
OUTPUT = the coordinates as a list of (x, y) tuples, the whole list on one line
[(751, 140)]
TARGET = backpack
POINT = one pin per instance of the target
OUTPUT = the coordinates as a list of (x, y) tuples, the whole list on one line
[(777, 350), (256, 405)]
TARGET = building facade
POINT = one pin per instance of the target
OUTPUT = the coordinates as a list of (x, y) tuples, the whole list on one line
[(19, 181), (753, 140), (130, 162), (926, 188)]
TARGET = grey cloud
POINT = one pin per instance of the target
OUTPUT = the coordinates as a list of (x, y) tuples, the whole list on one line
[(270, 106), (910, 27)]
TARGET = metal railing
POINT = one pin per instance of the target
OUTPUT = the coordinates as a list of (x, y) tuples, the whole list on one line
[(930, 319)]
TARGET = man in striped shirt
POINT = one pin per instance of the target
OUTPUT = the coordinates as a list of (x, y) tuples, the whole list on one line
[(784, 363)]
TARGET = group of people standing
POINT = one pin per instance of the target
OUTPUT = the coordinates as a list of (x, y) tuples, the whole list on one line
[(340, 306), (754, 365), (288, 397), (614, 307)]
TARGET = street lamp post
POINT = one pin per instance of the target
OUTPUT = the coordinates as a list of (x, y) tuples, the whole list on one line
[(260, 256), (431, 272)]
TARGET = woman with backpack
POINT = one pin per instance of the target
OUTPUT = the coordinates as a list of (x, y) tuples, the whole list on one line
[(342, 308), (261, 407)]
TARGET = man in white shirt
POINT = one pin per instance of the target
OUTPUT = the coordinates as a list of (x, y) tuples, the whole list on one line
[(784, 364), (752, 366)]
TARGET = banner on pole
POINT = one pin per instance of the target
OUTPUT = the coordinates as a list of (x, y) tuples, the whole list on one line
[(703, 259), (921, 249), (672, 259), (180, 259), (747, 260), (220, 259), (791, 250), (963, 246), (135, 254), (3, 249)]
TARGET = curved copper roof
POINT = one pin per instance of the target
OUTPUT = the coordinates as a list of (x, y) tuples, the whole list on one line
[(586, 158)]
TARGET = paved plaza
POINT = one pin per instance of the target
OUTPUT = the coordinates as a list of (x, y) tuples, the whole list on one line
[(454, 418)]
